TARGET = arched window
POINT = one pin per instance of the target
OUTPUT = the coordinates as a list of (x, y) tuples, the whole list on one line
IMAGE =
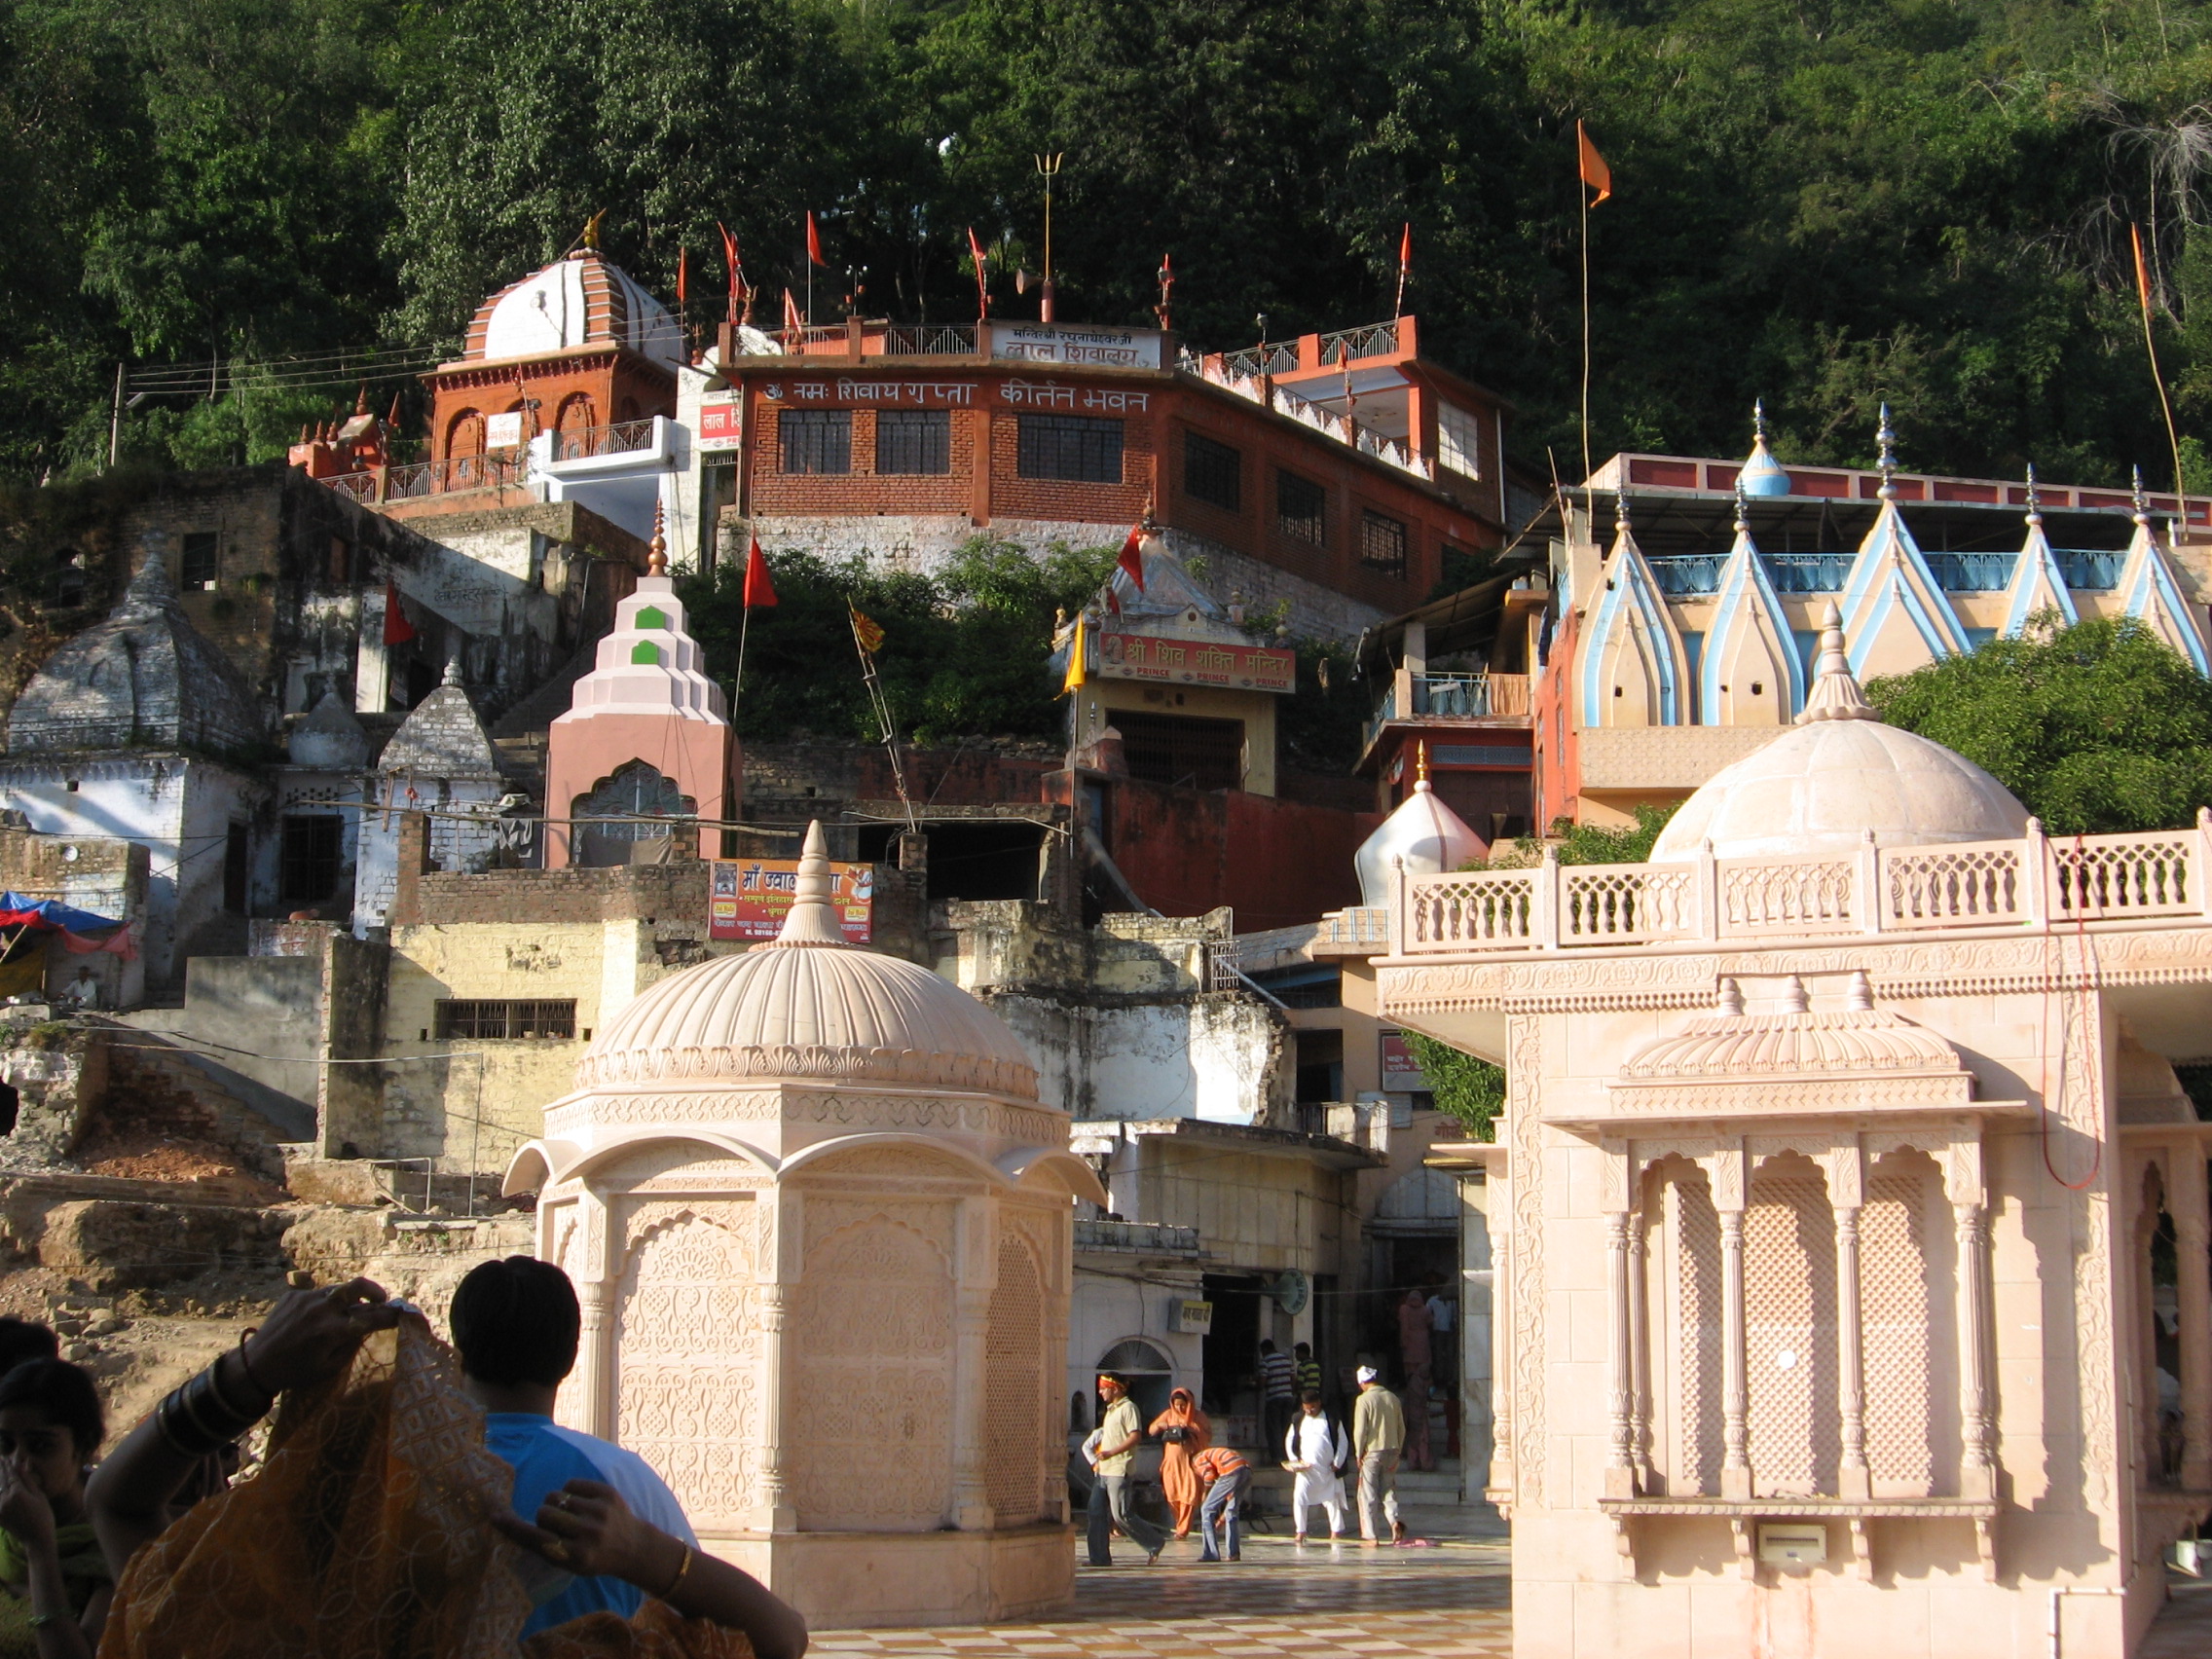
[(1148, 1372), (577, 416), (465, 436)]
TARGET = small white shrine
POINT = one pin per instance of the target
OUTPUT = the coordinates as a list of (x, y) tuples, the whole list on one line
[(822, 1231)]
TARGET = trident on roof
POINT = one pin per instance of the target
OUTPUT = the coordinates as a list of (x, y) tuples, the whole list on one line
[(1050, 167)]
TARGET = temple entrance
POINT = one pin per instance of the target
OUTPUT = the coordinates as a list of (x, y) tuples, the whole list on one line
[(630, 818)]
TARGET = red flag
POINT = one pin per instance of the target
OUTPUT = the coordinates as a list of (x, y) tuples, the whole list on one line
[(791, 320), (729, 257), (1132, 556), (759, 591), (683, 279), (814, 242), (397, 630), (983, 283), (1594, 174)]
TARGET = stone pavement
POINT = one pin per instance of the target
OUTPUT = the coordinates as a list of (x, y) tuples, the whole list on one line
[(1449, 1601)]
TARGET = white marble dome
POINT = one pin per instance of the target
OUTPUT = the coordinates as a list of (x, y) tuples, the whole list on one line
[(1428, 837), (582, 300), (1840, 773), (809, 1006)]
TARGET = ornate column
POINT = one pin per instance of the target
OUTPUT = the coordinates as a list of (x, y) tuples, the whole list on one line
[(1728, 1186), (1620, 1461), (1846, 1196), (1497, 1177), (783, 1220), (596, 1257), (2193, 1236), (1639, 1342), (971, 1387), (1977, 1415)]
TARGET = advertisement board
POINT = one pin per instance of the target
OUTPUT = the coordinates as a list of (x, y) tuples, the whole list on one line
[(749, 897), (1195, 662), (720, 426), (1401, 1072), (503, 432)]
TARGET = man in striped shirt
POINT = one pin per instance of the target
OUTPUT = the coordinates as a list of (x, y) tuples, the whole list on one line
[(1226, 1477), (1278, 1389)]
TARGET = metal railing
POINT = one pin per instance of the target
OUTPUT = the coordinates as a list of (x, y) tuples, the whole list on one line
[(1972, 573), (952, 340), (2034, 883), (1271, 357), (1376, 339), (626, 437), (460, 472), (1682, 575), (1452, 696)]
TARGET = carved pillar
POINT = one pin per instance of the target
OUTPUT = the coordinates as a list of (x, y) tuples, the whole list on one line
[(1500, 1361), (1058, 1277), (2146, 1321), (782, 1228), (1978, 1416), (594, 1352), (1620, 1461), (1640, 1342), (2193, 1236), (972, 1387), (1846, 1195), (1735, 1396)]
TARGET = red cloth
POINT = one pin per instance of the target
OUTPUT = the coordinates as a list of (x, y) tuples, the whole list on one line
[(814, 242), (759, 590), (982, 284), (1132, 556), (397, 630)]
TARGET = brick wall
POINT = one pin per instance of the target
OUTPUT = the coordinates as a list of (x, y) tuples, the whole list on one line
[(1016, 497), (864, 489)]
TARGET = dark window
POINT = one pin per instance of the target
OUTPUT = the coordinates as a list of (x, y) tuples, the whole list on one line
[(1212, 472), (1381, 543), (235, 870), (341, 560), (913, 440), (1302, 509), (817, 440), (198, 568), (309, 859), (1182, 749), (500, 1016), (1070, 447)]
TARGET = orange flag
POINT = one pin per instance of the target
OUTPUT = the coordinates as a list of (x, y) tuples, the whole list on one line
[(814, 242), (1594, 174), (759, 590), (1406, 248), (2142, 273), (683, 279)]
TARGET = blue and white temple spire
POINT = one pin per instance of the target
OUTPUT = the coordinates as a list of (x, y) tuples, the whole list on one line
[(1895, 615), (2150, 593), (2038, 586), (1634, 670), (1751, 673), (1761, 474)]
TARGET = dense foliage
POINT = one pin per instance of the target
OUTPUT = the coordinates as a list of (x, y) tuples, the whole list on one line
[(1826, 201), (2096, 727), (1460, 1086)]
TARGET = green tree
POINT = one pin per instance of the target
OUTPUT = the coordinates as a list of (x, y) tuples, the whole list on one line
[(1462, 1086), (2096, 727)]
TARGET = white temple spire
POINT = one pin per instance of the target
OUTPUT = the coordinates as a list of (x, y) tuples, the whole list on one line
[(812, 917)]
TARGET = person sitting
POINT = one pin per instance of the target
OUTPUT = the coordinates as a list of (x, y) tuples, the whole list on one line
[(515, 1324), (56, 1581), (378, 1525)]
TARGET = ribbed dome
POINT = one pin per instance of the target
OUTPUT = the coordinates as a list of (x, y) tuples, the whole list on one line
[(809, 1006), (1428, 837), (1841, 773)]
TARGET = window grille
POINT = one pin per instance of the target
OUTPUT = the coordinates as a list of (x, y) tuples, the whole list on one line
[(505, 1018), (309, 857), (198, 568), (1182, 750), (913, 440), (816, 440), (1381, 543), (1302, 509), (1212, 472), (1459, 441), (1073, 448)]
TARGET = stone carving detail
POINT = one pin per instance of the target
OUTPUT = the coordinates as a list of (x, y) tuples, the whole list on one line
[(687, 1352), (870, 1433), (1899, 1328), (985, 1072), (1790, 1335), (1696, 1229), (972, 1115), (889, 1162), (1014, 1368), (827, 1214), (1526, 1127)]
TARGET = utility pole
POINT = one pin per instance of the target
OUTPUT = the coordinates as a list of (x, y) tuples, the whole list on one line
[(115, 422)]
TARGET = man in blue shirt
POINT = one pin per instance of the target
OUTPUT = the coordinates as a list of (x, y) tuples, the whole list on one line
[(516, 1323)]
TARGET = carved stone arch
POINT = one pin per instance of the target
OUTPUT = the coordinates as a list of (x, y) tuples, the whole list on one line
[(1685, 1329)]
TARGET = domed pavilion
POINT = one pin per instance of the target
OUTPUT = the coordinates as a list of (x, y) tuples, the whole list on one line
[(821, 1228), (1854, 1268)]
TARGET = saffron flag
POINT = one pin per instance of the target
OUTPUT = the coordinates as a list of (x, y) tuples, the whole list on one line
[(1406, 249), (1131, 560), (1075, 681), (683, 279), (1594, 174), (868, 633), (759, 591), (983, 281), (814, 242), (791, 320), (736, 268), (2142, 272), (397, 630)]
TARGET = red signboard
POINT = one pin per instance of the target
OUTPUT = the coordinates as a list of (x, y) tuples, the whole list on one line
[(1401, 1072), (720, 426), (1197, 662), (750, 898)]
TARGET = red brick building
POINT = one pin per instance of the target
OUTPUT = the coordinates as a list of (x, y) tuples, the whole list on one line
[(1335, 471)]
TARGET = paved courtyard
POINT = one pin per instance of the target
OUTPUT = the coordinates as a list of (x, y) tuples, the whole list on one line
[(1448, 1601)]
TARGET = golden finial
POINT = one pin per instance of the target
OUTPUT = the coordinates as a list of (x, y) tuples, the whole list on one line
[(656, 556), (1420, 763), (590, 238)]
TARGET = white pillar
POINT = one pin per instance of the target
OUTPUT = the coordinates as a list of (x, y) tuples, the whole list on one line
[(1977, 1416), (1735, 1397), (783, 1227), (1620, 1460)]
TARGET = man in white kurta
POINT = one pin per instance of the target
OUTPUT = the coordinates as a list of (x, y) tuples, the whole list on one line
[(1321, 1448)]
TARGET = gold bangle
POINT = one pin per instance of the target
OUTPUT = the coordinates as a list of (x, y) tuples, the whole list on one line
[(681, 1572)]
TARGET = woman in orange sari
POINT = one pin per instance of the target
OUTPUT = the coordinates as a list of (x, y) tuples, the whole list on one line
[(1184, 1432)]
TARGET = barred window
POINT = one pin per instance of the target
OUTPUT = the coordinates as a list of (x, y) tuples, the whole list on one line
[(309, 856), (1074, 448), (1212, 472), (503, 1017), (1302, 509), (817, 440), (1381, 543), (913, 440), (197, 567)]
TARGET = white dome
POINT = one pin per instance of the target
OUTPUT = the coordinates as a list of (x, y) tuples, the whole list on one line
[(809, 1006), (1839, 774), (582, 300), (1428, 837)]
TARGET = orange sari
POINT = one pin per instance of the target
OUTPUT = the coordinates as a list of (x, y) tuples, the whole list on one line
[(1178, 1482)]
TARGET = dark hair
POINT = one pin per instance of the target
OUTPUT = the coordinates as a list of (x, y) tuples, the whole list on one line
[(1266, 1347), (1312, 1396), (516, 1321), (22, 1340), (1302, 1348), (64, 1392)]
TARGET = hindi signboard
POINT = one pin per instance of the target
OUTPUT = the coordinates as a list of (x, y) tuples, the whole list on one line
[(1072, 343), (721, 425), (1197, 662), (1401, 1072), (750, 898), (503, 432)]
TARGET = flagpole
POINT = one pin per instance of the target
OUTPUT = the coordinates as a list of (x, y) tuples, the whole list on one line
[(737, 690), (1582, 194), (2157, 379), (882, 708)]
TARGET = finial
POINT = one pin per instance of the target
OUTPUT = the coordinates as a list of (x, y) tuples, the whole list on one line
[(452, 669), (2141, 507), (1859, 996), (1835, 694), (1421, 765), (1759, 419), (656, 556), (812, 918), (1887, 437), (1620, 511), (590, 238), (1731, 999), (2035, 501), (1742, 508)]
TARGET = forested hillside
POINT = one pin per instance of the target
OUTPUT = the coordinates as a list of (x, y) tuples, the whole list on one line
[(1825, 203)]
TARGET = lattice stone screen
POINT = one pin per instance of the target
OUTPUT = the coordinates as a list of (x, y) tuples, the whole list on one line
[(1014, 1362), (1902, 1324), (1789, 1336)]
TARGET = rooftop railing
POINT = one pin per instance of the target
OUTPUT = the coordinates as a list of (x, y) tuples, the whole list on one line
[(624, 438), (2031, 884), (1685, 576)]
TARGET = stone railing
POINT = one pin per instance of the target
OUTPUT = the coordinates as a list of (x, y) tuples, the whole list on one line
[(2036, 882)]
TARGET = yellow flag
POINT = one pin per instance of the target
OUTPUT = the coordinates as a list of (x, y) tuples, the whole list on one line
[(1075, 680), (868, 634)]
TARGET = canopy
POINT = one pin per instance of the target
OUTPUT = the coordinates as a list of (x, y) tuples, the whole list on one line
[(18, 911)]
